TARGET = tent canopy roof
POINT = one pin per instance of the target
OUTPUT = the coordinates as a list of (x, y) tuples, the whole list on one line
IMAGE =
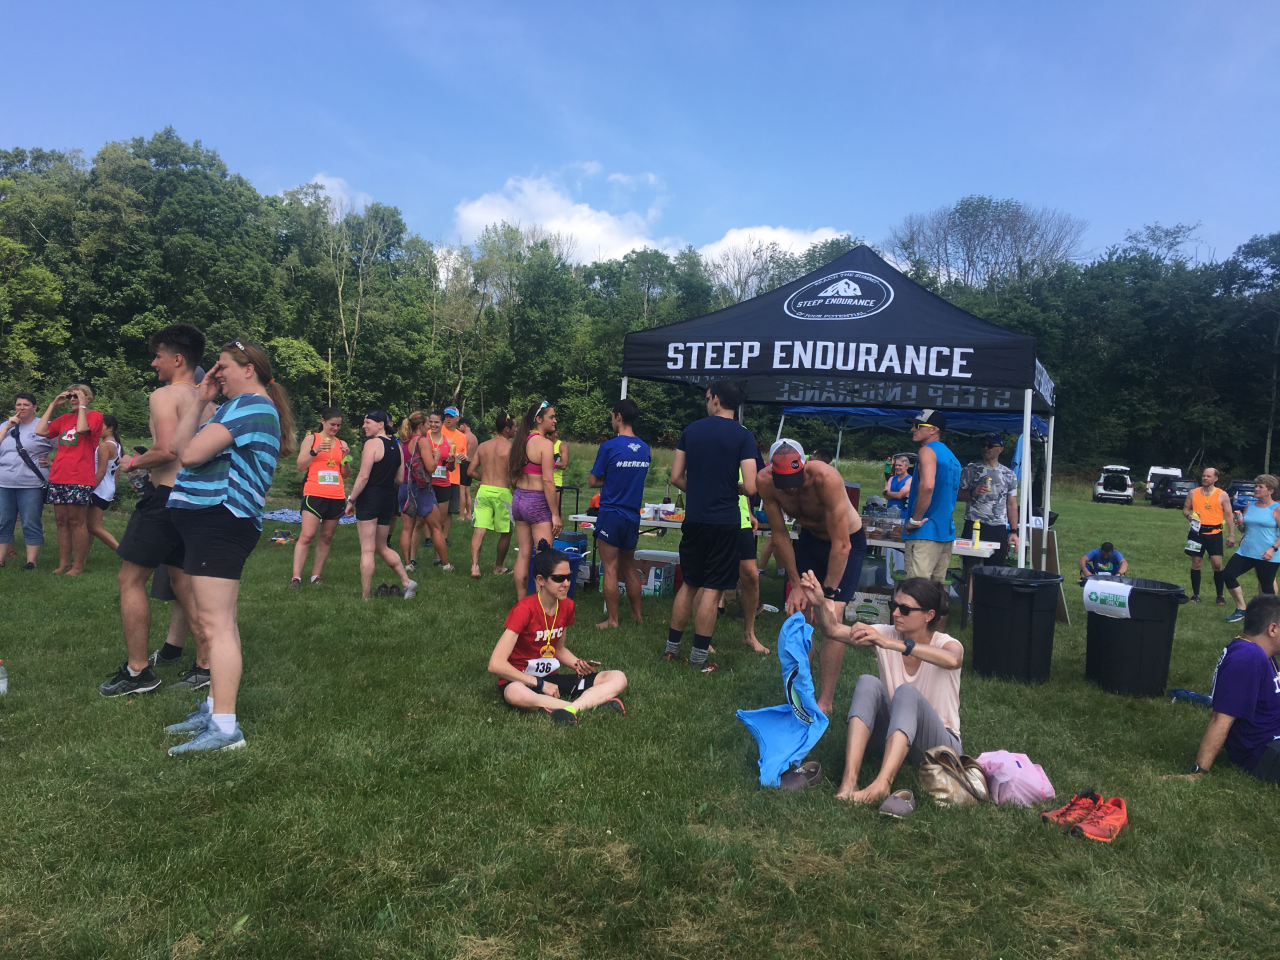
[(962, 422), (855, 332)]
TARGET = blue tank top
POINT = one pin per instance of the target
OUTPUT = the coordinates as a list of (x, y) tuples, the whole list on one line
[(1260, 531), (895, 484), (938, 523)]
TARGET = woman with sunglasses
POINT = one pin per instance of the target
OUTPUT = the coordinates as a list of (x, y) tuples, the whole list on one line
[(914, 705), (531, 650), (216, 504), (531, 471)]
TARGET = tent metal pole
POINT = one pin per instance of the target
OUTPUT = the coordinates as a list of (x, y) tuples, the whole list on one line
[(839, 438), (1048, 482), (780, 423), (1024, 501), (624, 389)]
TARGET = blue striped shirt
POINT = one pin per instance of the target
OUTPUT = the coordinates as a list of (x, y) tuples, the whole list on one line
[(239, 476)]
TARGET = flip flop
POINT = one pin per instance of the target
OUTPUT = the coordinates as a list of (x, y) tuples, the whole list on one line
[(900, 804)]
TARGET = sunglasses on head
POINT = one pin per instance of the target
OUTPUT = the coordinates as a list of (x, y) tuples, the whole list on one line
[(543, 405), (906, 609), (559, 577)]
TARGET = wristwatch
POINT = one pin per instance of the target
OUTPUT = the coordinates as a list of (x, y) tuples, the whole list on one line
[(911, 645), (1196, 768), (829, 592), (541, 682)]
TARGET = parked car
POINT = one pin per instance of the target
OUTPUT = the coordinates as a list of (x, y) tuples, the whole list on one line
[(1113, 485), (1242, 494), (1174, 493), (1155, 473)]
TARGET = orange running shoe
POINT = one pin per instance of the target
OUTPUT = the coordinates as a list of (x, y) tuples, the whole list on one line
[(1106, 822), (1079, 809)]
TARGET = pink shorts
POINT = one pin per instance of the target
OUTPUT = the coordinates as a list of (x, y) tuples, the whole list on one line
[(529, 506)]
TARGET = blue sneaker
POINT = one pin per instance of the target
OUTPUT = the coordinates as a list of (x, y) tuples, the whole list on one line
[(1238, 615), (210, 740), (196, 721)]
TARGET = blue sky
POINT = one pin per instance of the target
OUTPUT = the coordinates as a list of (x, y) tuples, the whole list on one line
[(674, 123)]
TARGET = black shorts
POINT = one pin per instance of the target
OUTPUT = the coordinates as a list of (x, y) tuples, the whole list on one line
[(814, 553), (709, 554), (455, 497), (150, 538), (97, 501), (378, 504), (747, 544), (162, 586), (570, 685), (217, 541), (464, 474), (1268, 766), (991, 533), (326, 508), (1210, 543)]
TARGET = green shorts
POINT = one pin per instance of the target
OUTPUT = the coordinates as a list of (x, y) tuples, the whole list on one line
[(493, 508)]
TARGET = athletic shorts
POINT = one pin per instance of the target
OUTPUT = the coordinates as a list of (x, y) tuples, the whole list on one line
[(570, 685), (378, 504), (150, 538), (326, 508), (814, 553), (709, 554), (617, 529), (162, 586), (68, 494), (464, 474), (455, 497), (97, 501), (493, 508), (1210, 543), (529, 506), (746, 544), (990, 534), (217, 541)]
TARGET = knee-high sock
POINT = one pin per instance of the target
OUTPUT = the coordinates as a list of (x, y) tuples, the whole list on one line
[(1195, 583), (1219, 581)]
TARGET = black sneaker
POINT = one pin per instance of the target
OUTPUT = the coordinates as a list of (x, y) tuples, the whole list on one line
[(394, 591), (564, 717), (1222, 602), (123, 685), (156, 660), (196, 679), (1195, 598), (382, 591), (29, 566)]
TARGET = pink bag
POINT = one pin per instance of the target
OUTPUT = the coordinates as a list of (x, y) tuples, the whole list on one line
[(1013, 778)]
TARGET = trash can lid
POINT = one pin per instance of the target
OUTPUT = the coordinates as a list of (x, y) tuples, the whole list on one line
[(1142, 585), (1025, 575)]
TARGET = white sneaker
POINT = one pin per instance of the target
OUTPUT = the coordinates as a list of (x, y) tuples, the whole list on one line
[(411, 589)]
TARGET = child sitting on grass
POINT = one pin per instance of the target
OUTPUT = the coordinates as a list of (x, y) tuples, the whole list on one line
[(531, 650)]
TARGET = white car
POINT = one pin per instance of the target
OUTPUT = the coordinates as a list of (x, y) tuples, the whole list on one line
[(1175, 472), (1113, 485)]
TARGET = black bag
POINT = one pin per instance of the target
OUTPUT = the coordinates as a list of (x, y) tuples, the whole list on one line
[(26, 458)]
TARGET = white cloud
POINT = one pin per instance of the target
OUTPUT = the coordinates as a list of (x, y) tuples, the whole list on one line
[(794, 241), (340, 192)]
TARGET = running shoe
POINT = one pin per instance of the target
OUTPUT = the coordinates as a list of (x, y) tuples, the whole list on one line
[(29, 567), (437, 562), (197, 678), (1237, 616), (1107, 821), (124, 685), (448, 568), (412, 566), (1080, 807), (394, 591), (156, 660), (565, 717), (1222, 601), (196, 721), (705, 667), (411, 590), (1195, 598), (382, 590), (295, 583), (615, 705), (670, 658), (211, 739), (317, 582)]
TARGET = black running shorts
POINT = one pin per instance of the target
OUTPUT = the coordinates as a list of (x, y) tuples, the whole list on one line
[(747, 544), (217, 541), (570, 685), (709, 554), (326, 508), (150, 538), (814, 553)]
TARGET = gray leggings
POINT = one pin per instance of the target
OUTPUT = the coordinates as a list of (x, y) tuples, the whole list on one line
[(908, 711)]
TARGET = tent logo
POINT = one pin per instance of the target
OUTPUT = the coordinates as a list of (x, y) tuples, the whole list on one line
[(847, 295)]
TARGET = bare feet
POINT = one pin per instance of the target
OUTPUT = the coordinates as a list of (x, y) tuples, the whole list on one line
[(607, 624), (475, 571), (751, 643), (847, 790), (826, 707), (501, 571), (636, 618), (75, 571), (60, 569), (875, 793)]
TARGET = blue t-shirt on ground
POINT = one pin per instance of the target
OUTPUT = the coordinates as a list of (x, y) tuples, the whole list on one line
[(714, 448), (1093, 560), (1247, 687), (240, 475), (938, 524), (622, 463)]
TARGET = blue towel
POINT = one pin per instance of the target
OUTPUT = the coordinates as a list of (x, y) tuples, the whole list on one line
[(295, 516), (786, 733), (1181, 693)]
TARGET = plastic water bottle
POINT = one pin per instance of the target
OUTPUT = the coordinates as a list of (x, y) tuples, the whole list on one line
[(4, 680)]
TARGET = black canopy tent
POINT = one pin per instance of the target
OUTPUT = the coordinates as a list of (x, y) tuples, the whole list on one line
[(856, 332)]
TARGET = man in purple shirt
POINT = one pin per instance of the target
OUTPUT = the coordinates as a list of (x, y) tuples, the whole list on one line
[(1246, 697)]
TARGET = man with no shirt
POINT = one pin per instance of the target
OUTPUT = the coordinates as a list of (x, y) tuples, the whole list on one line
[(832, 542), (493, 499), (151, 539)]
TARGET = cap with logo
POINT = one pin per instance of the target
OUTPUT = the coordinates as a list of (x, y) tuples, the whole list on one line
[(786, 460), (934, 418), (450, 411), (993, 440)]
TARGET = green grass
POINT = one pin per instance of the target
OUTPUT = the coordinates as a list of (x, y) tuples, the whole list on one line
[(388, 805)]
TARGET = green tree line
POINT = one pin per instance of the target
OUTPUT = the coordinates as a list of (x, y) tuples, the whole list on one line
[(1158, 357)]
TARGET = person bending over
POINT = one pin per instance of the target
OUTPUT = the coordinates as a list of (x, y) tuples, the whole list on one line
[(1246, 698), (1106, 560), (529, 654), (914, 705), (832, 543)]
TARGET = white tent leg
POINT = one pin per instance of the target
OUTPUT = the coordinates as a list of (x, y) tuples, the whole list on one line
[(1048, 482), (780, 423), (839, 438), (1024, 497), (624, 388)]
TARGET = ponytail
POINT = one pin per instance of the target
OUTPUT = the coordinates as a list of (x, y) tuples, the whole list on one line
[(528, 424), (247, 353), (410, 425)]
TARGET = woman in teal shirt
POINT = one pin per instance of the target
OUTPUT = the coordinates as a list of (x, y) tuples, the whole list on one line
[(1261, 524)]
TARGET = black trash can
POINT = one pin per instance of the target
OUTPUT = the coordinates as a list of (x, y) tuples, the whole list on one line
[(1014, 615), (1131, 656)]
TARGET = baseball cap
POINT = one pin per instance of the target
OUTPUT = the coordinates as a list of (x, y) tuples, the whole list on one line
[(450, 411), (786, 458), (993, 440), (935, 418)]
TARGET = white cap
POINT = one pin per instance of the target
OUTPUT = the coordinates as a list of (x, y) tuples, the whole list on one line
[(786, 442)]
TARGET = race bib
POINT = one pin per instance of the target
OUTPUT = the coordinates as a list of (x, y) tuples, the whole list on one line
[(332, 477), (440, 472), (542, 666)]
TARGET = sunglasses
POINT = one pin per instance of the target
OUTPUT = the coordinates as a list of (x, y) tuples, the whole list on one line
[(559, 577), (990, 446), (543, 405), (906, 609)]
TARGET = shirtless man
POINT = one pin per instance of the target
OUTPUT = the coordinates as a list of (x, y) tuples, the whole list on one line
[(493, 499), (832, 543), (151, 539)]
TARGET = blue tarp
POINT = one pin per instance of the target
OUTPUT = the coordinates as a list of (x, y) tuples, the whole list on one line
[(959, 421)]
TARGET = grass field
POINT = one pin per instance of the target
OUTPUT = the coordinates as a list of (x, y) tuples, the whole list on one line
[(388, 805)]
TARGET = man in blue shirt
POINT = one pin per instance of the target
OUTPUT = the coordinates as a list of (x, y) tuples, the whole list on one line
[(1105, 559), (1246, 697), (708, 458), (930, 530), (620, 470)]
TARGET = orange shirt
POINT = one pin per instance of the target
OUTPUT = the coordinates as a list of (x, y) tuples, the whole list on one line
[(324, 476), (1209, 508), (459, 441)]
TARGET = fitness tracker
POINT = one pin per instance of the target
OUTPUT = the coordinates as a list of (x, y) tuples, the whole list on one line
[(541, 682), (1196, 768), (829, 592), (911, 645)]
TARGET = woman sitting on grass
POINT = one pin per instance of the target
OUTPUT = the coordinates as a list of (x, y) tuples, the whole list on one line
[(531, 650), (914, 705)]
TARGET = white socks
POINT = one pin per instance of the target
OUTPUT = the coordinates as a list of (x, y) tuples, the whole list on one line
[(225, 722)]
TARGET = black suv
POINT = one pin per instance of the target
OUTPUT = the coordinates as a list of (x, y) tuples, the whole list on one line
[(1173, 493)]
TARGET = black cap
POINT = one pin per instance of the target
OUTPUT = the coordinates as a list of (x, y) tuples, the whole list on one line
[(935, 418), (993, 440)]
